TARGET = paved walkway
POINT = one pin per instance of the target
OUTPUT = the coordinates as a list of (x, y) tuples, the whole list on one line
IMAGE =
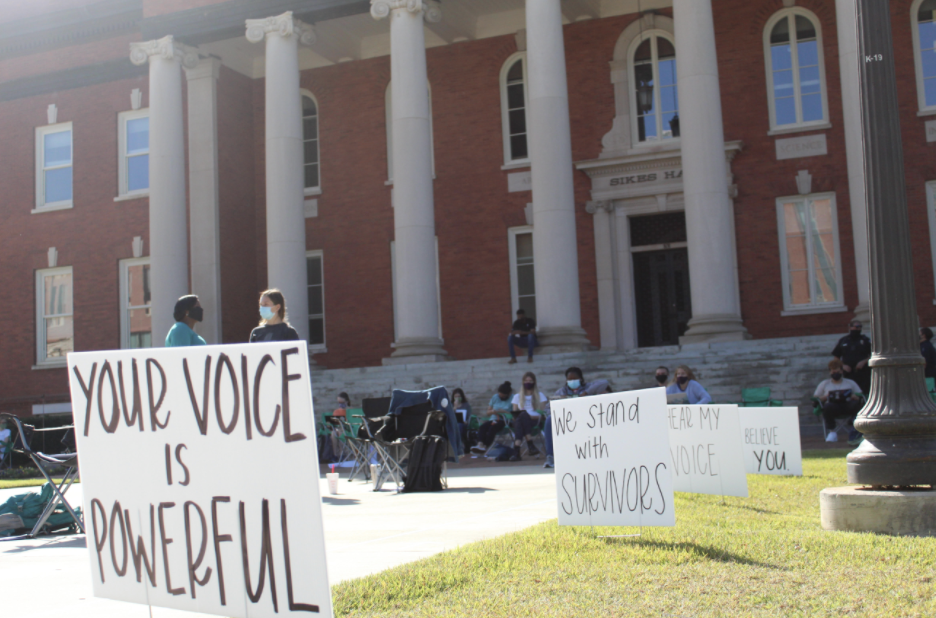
[(365, 531)]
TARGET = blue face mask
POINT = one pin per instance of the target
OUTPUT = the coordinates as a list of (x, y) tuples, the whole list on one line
[(267, 313), (574, 384)]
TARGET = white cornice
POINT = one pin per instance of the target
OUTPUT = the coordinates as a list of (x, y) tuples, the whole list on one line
[(166, 48)]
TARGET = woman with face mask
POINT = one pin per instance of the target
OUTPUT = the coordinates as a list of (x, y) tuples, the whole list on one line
[(575, 386), (529, 407), (685, 382), (273, 325), (187, 313), (460, 402), (498, 409)]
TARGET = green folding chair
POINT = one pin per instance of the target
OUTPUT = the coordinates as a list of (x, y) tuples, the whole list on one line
[(931, 388), (758, 398)]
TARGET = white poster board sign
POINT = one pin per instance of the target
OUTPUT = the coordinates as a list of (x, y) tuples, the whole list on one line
[(199, 473), (705, 451), (771, 439), (612, 460)]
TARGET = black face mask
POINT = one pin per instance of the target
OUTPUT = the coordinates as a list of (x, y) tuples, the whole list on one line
[(661, 378), (855, 334), (836, 376), (682, 379), (196, 313)]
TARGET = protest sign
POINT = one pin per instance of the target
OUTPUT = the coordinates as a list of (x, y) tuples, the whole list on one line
[(771, 441), (612, 465), (705, 451), (200, 478)]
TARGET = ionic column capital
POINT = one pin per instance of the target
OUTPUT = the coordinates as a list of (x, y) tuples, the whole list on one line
[(284, 25), (166, 48), (593, 207), (430, 10)]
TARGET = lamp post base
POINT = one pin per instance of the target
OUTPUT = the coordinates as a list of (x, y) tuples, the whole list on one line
[(900, 513)]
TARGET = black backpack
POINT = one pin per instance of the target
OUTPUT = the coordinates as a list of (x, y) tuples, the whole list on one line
[(424, 467)]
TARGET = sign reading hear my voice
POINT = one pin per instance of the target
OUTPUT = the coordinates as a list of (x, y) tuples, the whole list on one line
[(705, 450), (191, 460), (612, 460)]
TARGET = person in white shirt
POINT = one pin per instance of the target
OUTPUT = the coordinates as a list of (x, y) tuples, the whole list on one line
[(529, 407), (840, 399)]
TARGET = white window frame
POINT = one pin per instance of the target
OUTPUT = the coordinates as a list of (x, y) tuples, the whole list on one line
[(319, 348), (393, 278), (122, 175), (388, 107), (41, 132), (317, 190), (918, 60), (505, 110), (124, 295), (632, 88), (512, 233), (823, 123), (813, 307), (42, 360)]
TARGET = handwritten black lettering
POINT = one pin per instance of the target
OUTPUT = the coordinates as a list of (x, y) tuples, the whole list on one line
[(136, 411), (218, 539), (117, 516), (138, 549), (266, 556), (288, 436), (155, 405), (86, 389), (224, 361), (194, 564), (165, 542)]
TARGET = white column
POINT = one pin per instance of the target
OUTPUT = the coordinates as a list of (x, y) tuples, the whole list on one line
[(848, 67), (203, 193), (555, 247), (605, 271), (413, 202), (716, 308), (285, 219), (168, 225)]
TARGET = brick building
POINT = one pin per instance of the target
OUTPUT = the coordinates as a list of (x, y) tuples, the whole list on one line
[(633, 173)]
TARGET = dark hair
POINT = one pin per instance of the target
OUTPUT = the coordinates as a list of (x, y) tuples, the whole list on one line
[(927, 332), (666, 369), (835, 364), (576, 371), (505, 388), (183, 306), (520, 310), (344, 396), (276, 297), (459, 391)]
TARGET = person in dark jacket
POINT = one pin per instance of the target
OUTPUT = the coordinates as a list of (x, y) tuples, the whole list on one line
[(928, 351), (273, 325), (854, 350)]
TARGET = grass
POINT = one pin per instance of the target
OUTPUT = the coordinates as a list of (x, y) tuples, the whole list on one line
[(765, 555), (9, 483)]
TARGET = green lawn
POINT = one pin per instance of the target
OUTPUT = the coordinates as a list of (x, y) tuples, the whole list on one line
[(7, 484), (761, 556)]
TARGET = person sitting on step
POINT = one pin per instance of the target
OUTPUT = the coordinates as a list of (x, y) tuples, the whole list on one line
[(523, 334), (686, 383), (575, 386), (839, 397), (499, 409), (529, 406)]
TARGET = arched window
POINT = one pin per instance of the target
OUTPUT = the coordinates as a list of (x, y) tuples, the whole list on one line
[(795, 70), (654, 97), (310, 142), (389, 111), (923, 16), (514, 104)]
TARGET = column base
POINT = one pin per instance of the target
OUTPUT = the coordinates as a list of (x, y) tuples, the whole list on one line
[(863, 315), (411, 350), (561, 339), (715, 328), (856, 509)]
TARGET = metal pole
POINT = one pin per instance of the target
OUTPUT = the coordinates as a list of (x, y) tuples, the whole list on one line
[(899, 420)]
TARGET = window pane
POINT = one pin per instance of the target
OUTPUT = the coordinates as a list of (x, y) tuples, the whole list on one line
[(927, 7), (141, 340), (314, 270), (517, 121), (316, 306), (786, 111), (667, 70), (140, 328), (826, 286), (515, 96), (524, 247), (799, 287), (796, 252), (808, 53), (138, 172), (643, 52), (929, 87), (668, 99), (783, 83), (526, 285), (58, 294), (308, 106), (528, 304), (311, 151), (518, 147), (138, 285), (643, 80), (58, 185), (60, 338), (804, 28), (670, 125), (812, 107), (646, 128), (809, 80), (927, 35), (137, 135), (928, 62), (665, 49), (781, 57), (310, 128), (781, 32), (794, 221), (516, 72), (57, 148), (311, 175), (317, 331)]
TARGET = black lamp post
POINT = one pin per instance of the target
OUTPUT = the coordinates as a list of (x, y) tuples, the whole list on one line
[(899, 420)]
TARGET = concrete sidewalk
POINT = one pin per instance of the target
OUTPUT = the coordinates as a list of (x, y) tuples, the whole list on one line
[(366, 532)]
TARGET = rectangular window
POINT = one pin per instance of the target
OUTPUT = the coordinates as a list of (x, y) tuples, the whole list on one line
[(522, 283), (133, 133), (54, 167), (809, 251), (54, 325), (316, 286), (135, 298)]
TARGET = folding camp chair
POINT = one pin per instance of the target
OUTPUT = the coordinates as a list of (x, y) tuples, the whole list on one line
[(758, 398), (45, 463), (412, 422)]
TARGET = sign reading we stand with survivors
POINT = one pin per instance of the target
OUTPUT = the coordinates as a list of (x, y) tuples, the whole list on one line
[(612, 460), (195, 469), (706, 450)]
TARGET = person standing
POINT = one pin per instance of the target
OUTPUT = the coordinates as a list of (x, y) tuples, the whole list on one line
[(523, 334), (854, 350), (187, 313), (273, 325), (928, 351)]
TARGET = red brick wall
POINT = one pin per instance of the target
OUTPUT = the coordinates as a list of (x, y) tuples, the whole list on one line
[(67, 57)]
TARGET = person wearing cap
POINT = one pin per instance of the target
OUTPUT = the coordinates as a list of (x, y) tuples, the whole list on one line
[(523, 334), (854, 350), (187, 313)]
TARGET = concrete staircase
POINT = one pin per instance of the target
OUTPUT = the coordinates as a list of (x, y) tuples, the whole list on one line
[(791, 367)]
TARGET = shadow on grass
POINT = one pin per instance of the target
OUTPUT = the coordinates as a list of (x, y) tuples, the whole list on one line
[(702, 551), (750, 508)]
